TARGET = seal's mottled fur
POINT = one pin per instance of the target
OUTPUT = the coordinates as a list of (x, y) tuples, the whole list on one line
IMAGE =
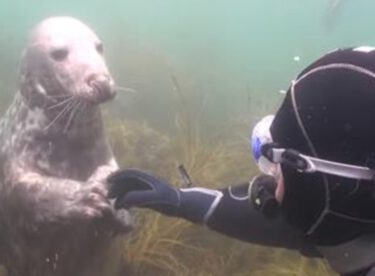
[(55, 218)]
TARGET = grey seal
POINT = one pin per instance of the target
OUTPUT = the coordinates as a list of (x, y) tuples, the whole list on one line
[(55, 218)]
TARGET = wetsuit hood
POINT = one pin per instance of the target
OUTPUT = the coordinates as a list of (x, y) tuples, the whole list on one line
[(329, 113)]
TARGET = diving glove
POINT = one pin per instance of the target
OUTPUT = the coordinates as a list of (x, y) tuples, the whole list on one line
[(135, 188)]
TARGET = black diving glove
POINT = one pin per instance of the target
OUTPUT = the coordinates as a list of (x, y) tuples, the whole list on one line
[(134, 188)]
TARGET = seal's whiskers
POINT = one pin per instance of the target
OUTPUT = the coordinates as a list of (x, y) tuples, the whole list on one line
[(126, 89), (74, 111), (66, 109), (60, 103)]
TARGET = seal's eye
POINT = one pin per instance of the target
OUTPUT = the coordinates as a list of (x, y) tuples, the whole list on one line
[(100, 48), (59, 54)]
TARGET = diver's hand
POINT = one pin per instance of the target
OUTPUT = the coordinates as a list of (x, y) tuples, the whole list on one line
[(134, 188)]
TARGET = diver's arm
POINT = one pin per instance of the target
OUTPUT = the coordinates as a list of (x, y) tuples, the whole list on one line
[(236, 216), (228, 211)]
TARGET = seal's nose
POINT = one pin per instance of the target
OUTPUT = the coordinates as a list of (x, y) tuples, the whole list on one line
[(101, 87), (93, 78)]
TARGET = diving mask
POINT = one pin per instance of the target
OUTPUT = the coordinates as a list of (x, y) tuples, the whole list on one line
[(260, 136), (268, 156)]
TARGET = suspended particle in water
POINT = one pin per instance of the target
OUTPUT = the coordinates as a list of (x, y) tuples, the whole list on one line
[(297, 58)]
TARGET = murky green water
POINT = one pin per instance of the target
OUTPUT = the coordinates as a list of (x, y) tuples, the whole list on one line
[(225, 49), (231, 58)]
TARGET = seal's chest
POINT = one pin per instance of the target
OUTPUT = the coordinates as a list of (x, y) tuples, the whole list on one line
[(66, 162)]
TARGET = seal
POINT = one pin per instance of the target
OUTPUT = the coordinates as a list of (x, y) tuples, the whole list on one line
[(55, 218)]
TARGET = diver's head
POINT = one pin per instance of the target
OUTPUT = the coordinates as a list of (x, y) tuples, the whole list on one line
[(323, 140)]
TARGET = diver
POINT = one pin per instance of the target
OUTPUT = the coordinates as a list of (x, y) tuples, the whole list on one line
[(317, 154)]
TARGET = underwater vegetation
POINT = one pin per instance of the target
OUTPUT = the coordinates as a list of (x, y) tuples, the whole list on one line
[(161, 245)]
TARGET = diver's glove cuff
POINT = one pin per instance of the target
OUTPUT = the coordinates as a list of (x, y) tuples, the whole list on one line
[(134, 188)]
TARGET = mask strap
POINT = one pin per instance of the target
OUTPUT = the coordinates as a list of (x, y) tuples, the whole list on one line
[(308, 164)]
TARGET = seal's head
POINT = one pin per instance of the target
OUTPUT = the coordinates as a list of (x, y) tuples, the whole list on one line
[(64, 58)]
